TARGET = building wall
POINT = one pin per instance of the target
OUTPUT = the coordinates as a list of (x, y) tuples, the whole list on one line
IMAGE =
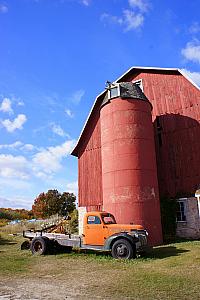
[(191, 227), (89, 167), (81, 213), (176, 117)]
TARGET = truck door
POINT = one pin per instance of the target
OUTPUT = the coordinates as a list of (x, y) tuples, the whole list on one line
[(93, 233)]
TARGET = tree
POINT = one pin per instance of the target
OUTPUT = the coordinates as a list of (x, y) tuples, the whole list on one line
[(73, 223), (67, 203), (53, 202), (39, 208)]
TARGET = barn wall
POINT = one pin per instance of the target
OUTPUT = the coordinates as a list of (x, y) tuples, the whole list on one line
[(89, 166), (176, 116)]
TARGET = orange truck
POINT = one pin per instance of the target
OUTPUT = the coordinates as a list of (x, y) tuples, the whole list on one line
[(100, 233)]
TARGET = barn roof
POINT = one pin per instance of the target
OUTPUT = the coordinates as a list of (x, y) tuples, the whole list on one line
[(132, 70)]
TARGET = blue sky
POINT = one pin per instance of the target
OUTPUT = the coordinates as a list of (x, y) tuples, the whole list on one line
[(55, 57)]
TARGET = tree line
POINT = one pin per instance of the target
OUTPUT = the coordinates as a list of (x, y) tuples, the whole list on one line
[(14, 214), (45, 205)]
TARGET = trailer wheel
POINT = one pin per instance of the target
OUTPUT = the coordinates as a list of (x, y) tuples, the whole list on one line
[(25, 245), (39, 245), (123, 249)]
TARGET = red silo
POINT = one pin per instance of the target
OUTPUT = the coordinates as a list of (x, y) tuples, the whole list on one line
[(129, 174)]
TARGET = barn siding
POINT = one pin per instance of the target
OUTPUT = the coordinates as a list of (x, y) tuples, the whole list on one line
[(177, 104), (89, 166)]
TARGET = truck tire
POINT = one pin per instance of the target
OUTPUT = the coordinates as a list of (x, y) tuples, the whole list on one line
[(123, 249), (39, 245)]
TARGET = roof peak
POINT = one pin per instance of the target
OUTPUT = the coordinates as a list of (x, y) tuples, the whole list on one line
[(159, 69), (132, 69)]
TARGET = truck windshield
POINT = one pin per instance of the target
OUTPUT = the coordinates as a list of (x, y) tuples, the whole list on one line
[(108, 219)]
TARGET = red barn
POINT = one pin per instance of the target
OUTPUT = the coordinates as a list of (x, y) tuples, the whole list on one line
[(141, 141)]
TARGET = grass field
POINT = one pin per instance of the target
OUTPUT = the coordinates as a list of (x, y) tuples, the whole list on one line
[(169, 272)]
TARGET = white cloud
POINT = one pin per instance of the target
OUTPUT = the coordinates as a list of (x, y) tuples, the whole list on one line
[(69, 113), (13, 166), (28, 147), (129, 20), (13, 184), (6, 203), (77, 96), (17, 173), (142, 5), (132, 20), (17, 123), (49, 160), (195, 76), (72, 187), (192, 51), (3, 8), (194, 28), (43, 164), (19, 145), (16, 202), (85, 2), (58, 130), (6, 106), (20, 103), (111, 19), (17, 100), (14, 145)]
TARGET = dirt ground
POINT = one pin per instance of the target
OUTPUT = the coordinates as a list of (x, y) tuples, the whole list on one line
[(46, 282), (36, 289)]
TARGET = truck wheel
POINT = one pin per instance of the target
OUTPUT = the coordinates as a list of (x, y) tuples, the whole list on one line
[(39, 245), (123, 249)]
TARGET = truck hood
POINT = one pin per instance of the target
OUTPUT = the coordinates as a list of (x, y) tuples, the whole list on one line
[(123, 227)]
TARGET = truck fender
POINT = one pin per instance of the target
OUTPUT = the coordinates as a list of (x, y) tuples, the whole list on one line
[(122, 235)]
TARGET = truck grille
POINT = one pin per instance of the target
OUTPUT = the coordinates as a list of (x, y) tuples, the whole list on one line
[(142, 239)]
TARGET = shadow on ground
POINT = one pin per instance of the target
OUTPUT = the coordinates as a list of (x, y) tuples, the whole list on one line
[(155, 253), (179, 240), (6, 242), (164, 252)]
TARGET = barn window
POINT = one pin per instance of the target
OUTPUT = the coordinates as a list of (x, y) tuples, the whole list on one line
[(113, 91), (180, 213), (139, 83)]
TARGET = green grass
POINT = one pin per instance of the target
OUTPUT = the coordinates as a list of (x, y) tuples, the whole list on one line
[(12, 259), (169, 272)]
